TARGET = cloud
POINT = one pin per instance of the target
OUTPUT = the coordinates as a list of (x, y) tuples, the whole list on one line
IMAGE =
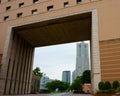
[(52, 60), (55, 59)]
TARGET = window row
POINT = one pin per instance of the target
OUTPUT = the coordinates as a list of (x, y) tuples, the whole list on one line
[(21, 4), (36, 1), (35, 11)]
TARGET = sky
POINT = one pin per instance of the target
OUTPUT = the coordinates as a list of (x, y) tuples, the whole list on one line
[(52, 60)]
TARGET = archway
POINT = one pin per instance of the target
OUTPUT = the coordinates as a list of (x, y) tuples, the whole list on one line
[(22, 39)]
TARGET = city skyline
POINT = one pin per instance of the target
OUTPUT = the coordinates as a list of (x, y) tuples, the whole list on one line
[(59, 58)]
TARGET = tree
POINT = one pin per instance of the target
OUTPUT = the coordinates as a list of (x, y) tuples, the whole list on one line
[(37, 72), (57, 84), (86, 77), (77, 84), (36, 80)]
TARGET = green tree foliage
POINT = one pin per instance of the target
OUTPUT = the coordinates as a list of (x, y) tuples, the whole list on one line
[(115, 84), (37, 72), (77, 84), (101, 85), (107, 85), (36, 82), (62, 86), (118, 90), (86, 77)]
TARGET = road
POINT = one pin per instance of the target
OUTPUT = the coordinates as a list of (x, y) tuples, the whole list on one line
[(68, 94), (62, 94)]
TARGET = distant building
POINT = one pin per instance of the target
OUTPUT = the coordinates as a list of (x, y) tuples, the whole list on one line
[(82, 58), (66, 76), (44, 80), (73, 75)]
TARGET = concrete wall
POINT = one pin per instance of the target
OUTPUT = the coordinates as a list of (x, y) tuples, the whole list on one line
[(108, 16)]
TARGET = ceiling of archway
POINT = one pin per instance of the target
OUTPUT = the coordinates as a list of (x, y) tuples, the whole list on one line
[(57, 31)]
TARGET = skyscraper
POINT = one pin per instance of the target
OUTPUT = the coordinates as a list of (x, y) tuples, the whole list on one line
[(82, 58), (66, 76)]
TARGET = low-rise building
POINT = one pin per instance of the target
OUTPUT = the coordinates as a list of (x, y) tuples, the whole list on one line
[(44, 80)]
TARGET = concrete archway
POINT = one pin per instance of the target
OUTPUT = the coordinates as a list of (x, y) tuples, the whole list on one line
[(22, 39)]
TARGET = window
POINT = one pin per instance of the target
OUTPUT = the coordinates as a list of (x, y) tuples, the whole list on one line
[(9, 0), (79, 1), (21, 4), (66, 4), (6, 18), (35, 1), (19, 15), (8, 8), (49, 8), (34, 11)]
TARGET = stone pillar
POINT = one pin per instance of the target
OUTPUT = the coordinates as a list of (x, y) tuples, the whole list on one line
[(0, 61), (17, 63), (95, 53), (0, 58), (6, 63), (30, 70), (26, 68), (18, 73), (22, 63)]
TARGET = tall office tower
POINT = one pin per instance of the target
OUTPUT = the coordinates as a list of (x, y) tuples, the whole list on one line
[(82, 58), (66, 76), (73, 75)]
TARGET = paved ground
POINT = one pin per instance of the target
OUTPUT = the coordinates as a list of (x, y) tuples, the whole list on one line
[(63, 94)]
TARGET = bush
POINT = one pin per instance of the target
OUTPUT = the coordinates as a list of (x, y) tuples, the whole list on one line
[(115, 84), (100, 91), (118, 89), (101, 85), (107, 85)]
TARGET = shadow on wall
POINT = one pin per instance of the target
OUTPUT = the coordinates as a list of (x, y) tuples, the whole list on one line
[(0, 67), (0, 61)]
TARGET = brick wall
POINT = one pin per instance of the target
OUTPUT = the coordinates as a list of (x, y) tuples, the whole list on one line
[(110, 60)]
